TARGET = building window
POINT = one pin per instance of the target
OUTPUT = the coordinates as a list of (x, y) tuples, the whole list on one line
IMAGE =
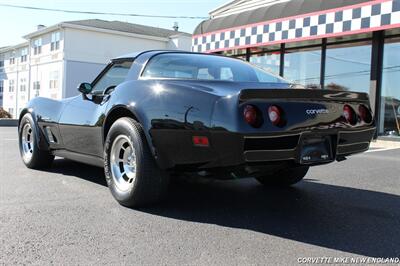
[(53, 80), (348, 66), (1, 63), (55, 41), (1, 86), (22, 87), (37, 46), (11, 85), (36, 88), (24, 55), (303, 66), (12, 60), (268, 61), (390, 98)]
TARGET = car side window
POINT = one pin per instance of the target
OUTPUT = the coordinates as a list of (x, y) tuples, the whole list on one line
[(114, 76)]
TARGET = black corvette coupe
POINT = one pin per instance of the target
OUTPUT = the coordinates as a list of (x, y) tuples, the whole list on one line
[(154, 114)]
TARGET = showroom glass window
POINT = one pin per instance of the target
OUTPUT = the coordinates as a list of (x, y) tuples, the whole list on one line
[(268, 61), (348, 66), (303, 66), (239, 53), (390, 99), (266, 57)]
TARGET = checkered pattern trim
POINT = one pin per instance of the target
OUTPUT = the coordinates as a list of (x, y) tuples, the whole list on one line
[(374, 15)]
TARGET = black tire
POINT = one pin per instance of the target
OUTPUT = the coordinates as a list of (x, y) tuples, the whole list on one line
[(38, 159), (151, 183), (284, 177)]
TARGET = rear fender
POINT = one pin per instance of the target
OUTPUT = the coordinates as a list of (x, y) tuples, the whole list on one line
[(165, 110), (40, 138), (45, 112)]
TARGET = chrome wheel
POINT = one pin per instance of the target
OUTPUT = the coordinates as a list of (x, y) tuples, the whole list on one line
[(27, 142), (123, 163)]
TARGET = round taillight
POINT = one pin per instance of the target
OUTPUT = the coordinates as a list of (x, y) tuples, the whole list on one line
[(365, 114), (349, 115), (274, 114), (250, 115)]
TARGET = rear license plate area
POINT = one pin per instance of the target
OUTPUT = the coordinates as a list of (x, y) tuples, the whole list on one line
[(315, 149)]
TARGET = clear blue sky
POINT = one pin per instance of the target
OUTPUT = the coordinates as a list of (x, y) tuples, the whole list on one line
[(14, 23)]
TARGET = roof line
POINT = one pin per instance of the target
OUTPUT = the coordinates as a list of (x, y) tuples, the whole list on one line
[(12, 47), (117, 32), (222, 6), (82, 27), (99, 29), (221, 12)]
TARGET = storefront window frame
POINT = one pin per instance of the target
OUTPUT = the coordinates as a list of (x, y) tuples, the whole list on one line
[(377, 42), (368, 43), (378, 101), (324, 46), (250, 54), (301, 48)]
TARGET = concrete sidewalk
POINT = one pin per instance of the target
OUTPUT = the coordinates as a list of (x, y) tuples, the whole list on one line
[(380, 143)]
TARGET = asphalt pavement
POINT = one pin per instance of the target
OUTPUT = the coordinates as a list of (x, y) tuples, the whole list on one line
[(66, 215)]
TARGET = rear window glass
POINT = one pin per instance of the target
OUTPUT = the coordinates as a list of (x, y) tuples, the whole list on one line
[(206, 67)]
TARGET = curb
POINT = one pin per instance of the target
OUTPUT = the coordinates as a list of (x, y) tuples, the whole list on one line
[(8, 122), (385, 143)]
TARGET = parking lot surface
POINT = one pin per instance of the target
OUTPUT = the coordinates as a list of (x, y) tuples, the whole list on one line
[(66, 215)]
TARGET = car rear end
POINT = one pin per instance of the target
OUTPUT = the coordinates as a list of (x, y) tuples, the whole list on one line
[(304, 126)]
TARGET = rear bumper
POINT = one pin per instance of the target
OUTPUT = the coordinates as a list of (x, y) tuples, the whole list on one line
[(344, 143), (227, 149)]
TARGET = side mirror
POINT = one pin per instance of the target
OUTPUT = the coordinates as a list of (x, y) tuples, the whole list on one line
[(85, 88)]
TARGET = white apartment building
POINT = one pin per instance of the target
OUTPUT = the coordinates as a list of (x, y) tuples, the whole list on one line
[(55, 59), (1, 76)]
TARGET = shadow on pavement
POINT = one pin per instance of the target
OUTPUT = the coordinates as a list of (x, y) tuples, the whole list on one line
[(83, 171), (341, 218)]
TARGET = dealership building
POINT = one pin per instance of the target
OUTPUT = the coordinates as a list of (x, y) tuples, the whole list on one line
[(336, 44)]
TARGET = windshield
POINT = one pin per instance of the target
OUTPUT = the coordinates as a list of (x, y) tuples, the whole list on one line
[(206, 67)]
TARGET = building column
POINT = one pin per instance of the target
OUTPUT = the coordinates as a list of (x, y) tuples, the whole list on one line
[(376, 75), (323, 63), (282, 61)]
